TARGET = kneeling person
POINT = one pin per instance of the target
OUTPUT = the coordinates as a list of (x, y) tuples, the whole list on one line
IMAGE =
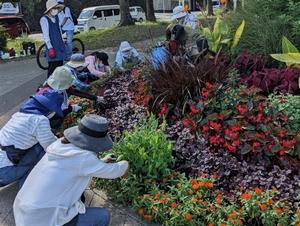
[(51, 193), (26, 135)]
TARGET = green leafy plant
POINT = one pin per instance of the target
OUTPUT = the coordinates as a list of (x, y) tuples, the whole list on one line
[(148, 149), (290, 54), (219, 35), (289, 105)]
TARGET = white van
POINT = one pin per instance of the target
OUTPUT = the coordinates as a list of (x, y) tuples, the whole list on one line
[(98, 17), (137, 13)]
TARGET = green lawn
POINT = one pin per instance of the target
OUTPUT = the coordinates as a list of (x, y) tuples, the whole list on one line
[(113, 36)]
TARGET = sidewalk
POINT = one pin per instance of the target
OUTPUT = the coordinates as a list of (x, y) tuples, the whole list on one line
[(120, 215)]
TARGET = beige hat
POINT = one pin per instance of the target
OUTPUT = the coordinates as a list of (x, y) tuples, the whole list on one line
[(50, 4), (61, 79)]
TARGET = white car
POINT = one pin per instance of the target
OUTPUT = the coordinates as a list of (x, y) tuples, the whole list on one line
[(98, 17), (137, 13)]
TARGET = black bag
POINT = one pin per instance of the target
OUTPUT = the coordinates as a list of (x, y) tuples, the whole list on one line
[(74, 18)]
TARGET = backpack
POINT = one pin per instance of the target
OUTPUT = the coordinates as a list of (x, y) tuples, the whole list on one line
[(74, 18)]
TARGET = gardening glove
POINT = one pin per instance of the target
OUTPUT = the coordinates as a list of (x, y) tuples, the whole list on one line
[(52, 53), (101, 100), (76, 108), (109, 158)]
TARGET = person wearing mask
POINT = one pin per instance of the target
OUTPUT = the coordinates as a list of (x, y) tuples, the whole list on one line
[(98, 65), (67, 25), (184, 17), (51, 193), (127, 55), (62, 81), (53, 39), (26, 136)]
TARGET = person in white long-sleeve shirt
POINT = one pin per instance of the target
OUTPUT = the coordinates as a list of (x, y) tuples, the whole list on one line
[(51, 193), (56, 51), (25, 137)]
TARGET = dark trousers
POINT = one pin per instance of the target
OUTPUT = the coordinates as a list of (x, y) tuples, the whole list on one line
[(53, 65), (20, 171)]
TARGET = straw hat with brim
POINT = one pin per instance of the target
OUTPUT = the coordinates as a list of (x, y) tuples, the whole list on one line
[(178, 12), (77, 60), (51, 100), (61, 79), (50, 4), (91, 134)]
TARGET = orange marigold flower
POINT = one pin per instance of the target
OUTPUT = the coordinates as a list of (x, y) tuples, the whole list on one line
[(194, 181), (210, 224), (157, 195), (298, 224), (209, 185), (222, 224), (246, 196), (173, 204), (195, 186), (219, 196), (148, 217), (278, 211), (194, 201), (162, 200), (141, 211), (239, 222), (188, 216), (258, 191), (263, 206), (270, 201)]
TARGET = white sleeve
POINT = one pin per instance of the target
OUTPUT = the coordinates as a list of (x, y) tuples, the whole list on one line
[(43, 133), (94, 167), (68, 13), (45, 29)]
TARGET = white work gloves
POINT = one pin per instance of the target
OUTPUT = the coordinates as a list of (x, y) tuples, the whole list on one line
[(109, 158), (101, 100), (76, 107)]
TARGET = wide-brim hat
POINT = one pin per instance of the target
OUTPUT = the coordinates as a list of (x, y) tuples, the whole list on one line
[(91, 134), (50, 4), (178, 12), (77, 60), (51, 100), (61, 79)]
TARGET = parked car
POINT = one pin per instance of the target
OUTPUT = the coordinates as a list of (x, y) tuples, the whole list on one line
[(98, 17), (15, 26), (216, 4), (137, 13)]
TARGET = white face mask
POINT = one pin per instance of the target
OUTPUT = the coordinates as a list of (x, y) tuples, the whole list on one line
[(51, 115), (54, 12)]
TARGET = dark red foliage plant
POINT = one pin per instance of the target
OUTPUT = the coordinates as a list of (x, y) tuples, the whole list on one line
[(247, 63), (275, 80), (176, 83)]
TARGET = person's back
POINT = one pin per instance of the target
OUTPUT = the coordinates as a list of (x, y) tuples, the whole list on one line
[(51, 193)]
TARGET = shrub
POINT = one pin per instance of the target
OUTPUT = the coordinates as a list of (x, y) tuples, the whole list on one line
[(267, 22), (150, 155), (247, 63), (3, 39)]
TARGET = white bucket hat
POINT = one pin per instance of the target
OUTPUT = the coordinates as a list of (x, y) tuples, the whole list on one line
[(178, 12), (50, 4), (61, 79)]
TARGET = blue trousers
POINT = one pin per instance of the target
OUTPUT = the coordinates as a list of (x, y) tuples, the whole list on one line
[(92, 217), (69, 50), (20, 171)]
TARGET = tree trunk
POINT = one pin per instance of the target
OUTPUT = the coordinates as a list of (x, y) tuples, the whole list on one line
[(126, 18), (150, 11), (210, 10)]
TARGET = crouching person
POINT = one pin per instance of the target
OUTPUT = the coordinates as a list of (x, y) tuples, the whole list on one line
[(25, 137), (127, 55), (51, 194)]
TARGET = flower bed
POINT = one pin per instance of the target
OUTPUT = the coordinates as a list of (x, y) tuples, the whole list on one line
[(233, 151)]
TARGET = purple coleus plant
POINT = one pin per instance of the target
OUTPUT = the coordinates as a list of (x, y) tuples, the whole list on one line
[(275, 80)]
